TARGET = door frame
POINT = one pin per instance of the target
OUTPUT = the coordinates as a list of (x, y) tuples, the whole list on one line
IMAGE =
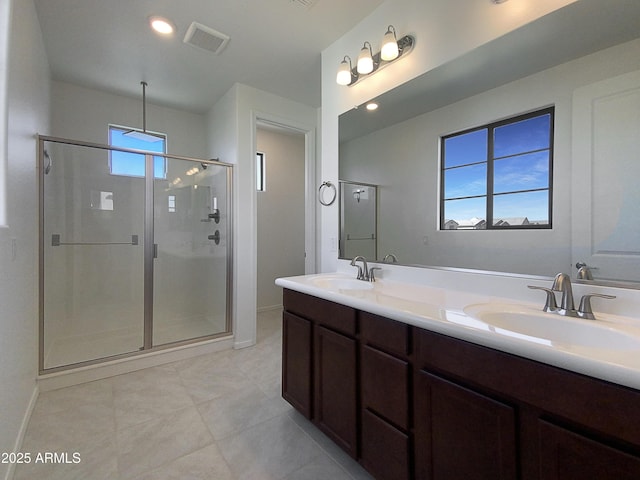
[(310, 241)]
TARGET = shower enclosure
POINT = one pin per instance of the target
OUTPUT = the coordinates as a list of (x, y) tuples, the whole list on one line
[(130, 261), (358, 220)]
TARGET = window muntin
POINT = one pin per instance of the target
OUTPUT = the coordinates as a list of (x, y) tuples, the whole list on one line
[(499, 175), (133, 164)]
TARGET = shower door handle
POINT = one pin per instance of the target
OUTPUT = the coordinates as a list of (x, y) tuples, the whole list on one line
[(155, 250)]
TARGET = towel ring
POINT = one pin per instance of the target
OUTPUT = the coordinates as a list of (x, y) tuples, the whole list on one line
[(321, 191)]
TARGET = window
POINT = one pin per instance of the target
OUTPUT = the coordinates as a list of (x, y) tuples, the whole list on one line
[(498, 176), (260, 172), (132, 164)]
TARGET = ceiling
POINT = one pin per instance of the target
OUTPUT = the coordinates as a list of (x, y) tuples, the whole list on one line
[(274, 45)]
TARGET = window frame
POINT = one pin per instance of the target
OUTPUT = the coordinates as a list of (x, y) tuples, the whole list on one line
[(490, 194), (261, 174), (122, 128)]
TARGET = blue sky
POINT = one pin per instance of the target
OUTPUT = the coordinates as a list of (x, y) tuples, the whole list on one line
[(514, 173), (132, 164)]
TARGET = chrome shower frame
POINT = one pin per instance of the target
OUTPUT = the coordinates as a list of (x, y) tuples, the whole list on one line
[(148, 347)]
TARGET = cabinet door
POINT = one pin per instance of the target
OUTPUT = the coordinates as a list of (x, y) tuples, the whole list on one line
[(296, 362), (385, 449), (565, 455), (335, 406), (461, 434)]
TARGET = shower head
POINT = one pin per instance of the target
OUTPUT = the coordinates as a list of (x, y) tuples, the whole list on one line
[(143, 135)]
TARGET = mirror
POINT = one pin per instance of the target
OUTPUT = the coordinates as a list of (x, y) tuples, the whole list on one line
[(556, 60), (358, 220)]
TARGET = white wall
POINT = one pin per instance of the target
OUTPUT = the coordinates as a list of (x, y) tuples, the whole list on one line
[(27, 104), (232, 136), (81, 113), (280, 213), (409, 194), (444, 30)]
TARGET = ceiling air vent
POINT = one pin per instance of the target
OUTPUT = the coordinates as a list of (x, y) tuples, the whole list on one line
[(303, 3), (205, 38)]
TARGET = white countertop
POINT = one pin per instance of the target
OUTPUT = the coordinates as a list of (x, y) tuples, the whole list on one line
[(442, 310)]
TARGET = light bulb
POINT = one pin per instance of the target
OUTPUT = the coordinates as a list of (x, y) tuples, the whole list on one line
[(344, 73), (389, 49), (161, 25), (365, 60)]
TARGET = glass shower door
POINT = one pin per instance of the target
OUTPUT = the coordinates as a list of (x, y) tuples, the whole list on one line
[(92, 261), (191, 264)]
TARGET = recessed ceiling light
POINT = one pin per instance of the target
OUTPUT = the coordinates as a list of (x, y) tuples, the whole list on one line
[(161, 25), (372, 106)]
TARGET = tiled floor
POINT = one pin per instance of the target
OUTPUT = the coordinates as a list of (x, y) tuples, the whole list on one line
[(67, 350), (218, 416)]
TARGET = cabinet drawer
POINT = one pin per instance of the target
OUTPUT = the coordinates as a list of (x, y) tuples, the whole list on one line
[(385, 334), (384, 381), (333, 315), (385, 450)]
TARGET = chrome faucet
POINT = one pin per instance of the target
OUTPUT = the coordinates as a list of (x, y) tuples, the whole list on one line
[(390, 258), (363, 272), (562, 283)]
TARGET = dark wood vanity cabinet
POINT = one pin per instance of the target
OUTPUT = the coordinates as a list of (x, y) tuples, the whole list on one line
[(409, 403), (461, 433), (385, 383), (485, 414), (319, 368), (565, 454), (296, 355), (335, 397)]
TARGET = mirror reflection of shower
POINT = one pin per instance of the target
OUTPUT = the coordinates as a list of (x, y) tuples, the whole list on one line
[(358, 219), (48, 162)]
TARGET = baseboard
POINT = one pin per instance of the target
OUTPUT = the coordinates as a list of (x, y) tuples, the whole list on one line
[(23, 429), (269, 308), (245, 344)]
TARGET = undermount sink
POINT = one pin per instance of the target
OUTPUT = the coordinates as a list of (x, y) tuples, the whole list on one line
[(341, 283), (551, 328)]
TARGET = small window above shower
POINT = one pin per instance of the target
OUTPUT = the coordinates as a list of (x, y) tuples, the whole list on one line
[(133, 164)]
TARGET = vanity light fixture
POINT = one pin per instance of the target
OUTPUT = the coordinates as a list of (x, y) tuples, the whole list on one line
[(368, 63), (161, 25)]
